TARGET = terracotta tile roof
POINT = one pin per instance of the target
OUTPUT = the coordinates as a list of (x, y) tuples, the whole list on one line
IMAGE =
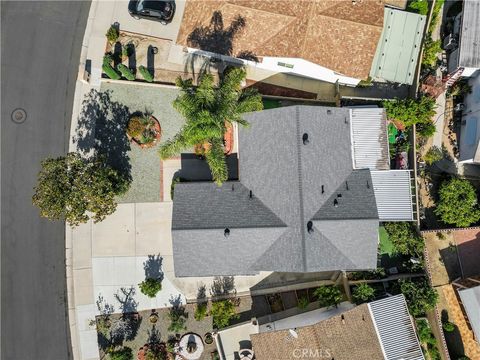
[(336, 34), (353, 339)]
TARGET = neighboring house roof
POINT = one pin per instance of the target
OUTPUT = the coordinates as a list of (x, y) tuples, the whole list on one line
[(341, 35), (470, 35), (399, 46), (471, 303), (370, 139), (379, 330), (393, 194), (283, 186), (394, 329)]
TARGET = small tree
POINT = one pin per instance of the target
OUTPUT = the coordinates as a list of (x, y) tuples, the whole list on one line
[(178, 318), (147, 76), (405, 239), (411, 111), (123, 354), (426, 129), (433, 155), (363, 293), (71, 188), (126, 72), (419, 295), (112, 34), (448, 326), (200, 311), (223, 311), (458, 204), (430, 52), (150, 287), (328, 296)]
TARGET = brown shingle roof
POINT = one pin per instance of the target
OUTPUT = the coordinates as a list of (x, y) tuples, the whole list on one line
[(336, 34), (354, 338)]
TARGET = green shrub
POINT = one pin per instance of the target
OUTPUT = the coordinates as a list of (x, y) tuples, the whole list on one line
[(150, 287), (426, 129), (430, 51), (126, 72), (178, 319), (200, 311), (458, 204), (435, 15), (418, 6), (112, 34), (175, 181), (411, 111), (303, 302), (222, 312), (363, 293), (420, 296), (448, 326), (460, 88), (147, 76), (433, 155), (405, 238), (108, 68), (328, 296), (123, 354)]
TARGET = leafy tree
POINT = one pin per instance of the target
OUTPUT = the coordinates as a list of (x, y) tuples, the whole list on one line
[(431, 49), (150, 287), (405, 238), (426, 129), (448, 326), (222, 312), (418, 6), (411, 111), (75, 189), (123, 354), (433, 155), (328, 296), (112, 34), (178, 318), (108, 68), (458, 203), (207, 109), (200, 311), (126, 72), (363, 293), (145, 73), (428, 339), (419, 295)]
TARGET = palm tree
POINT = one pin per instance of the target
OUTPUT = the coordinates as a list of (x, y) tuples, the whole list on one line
[(208, 111)]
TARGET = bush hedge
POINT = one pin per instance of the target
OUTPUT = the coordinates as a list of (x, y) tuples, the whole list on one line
[(126, 72), (109, 70), (147, 76)]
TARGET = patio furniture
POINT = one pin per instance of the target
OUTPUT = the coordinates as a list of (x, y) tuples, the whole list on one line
[(245, 354), (190, 347)]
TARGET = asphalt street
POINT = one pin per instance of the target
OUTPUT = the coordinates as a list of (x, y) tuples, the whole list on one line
[(40, 51)]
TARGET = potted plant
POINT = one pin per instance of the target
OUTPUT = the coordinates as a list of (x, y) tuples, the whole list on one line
[(208, 338), (144, 130)]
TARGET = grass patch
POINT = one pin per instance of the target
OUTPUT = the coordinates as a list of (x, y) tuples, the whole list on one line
[(386, 245)]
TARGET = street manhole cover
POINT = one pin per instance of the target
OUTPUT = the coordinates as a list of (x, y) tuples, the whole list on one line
[(19, 116)]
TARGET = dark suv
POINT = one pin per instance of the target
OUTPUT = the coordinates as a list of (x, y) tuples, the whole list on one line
[(159, 10)]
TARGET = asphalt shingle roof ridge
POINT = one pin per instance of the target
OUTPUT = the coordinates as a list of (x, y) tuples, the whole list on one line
[(300, 189)]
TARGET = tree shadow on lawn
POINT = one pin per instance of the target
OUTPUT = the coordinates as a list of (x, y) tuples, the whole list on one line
[(153, 267), (101, 130)]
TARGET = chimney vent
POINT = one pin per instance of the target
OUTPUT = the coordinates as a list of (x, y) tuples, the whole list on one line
[(310, 227), (226, 233), (305, 139)]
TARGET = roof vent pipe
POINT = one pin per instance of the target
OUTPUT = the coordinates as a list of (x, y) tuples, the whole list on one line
[(305, 139), (335, 203), (323, 189), (346, 184), (226, 233), (251, 194), (310, 227)]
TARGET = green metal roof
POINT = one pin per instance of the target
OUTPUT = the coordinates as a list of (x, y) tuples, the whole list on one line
[(398, 48)]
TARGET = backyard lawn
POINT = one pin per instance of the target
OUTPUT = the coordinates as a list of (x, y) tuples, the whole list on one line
[(386, 246)]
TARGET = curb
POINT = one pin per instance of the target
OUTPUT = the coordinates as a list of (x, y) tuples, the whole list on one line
[(72, 318)]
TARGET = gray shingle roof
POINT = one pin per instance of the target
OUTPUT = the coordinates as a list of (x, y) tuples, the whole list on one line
[(292, 183)]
